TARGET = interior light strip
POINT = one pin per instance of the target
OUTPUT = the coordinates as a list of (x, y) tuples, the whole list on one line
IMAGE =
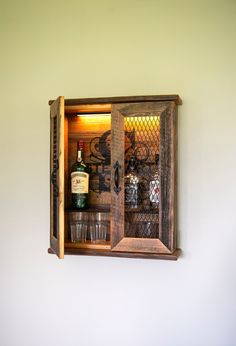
[(94, 115)]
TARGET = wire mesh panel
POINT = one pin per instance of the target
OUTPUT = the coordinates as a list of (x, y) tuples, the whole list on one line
[(142, 176)]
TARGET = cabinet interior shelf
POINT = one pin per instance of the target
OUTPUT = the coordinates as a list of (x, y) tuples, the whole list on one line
[(88, 245), (89, 210), (108, 210)]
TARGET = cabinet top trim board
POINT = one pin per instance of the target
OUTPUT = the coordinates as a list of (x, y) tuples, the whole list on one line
[(122, 99)]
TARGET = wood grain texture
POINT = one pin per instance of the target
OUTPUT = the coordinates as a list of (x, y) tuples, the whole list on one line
[(117, 155), (57, 242), (72, 128), (66, 163), (147, 245), (168, 165), (90, 130), (88, 245), (122, 99), (107, 253), (87, 108), (166, 243)]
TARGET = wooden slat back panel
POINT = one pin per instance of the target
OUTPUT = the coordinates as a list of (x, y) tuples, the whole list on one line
[(117, 158), (95, 131)]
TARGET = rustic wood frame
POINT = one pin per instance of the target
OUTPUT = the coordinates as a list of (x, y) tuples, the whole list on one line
[(166, 106), (167, 242)]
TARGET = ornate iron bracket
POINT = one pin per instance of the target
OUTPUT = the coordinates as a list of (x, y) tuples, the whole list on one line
[(117, 168)]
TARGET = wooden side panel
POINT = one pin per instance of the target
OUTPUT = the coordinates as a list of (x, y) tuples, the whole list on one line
[(117, 176), (168, 163), (57, 177)]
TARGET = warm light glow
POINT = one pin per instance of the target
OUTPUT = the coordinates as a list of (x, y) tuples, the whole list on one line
[(104, 118), (143, 123), (93, 115), (150, 118), (139, 122)]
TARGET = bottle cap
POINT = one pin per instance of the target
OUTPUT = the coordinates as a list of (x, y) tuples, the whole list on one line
[(80, 145)]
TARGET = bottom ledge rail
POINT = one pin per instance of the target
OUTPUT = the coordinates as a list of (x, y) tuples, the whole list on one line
[(107, 253)]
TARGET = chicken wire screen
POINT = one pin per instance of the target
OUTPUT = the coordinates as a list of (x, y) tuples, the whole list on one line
[(142, 176)]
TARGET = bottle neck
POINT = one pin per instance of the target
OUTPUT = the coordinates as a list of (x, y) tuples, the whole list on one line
[(132, 165), (79, 155)]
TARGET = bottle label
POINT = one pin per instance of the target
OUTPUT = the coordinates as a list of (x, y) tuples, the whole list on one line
[(79, 182)]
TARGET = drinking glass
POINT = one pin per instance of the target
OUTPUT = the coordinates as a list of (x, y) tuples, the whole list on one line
[(98, 226), (79, 227)]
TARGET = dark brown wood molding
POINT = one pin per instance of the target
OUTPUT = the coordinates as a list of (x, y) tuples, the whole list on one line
[(72, 251), (123, 99)]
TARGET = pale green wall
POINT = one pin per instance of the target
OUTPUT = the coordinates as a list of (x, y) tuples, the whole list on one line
[(115, 48)]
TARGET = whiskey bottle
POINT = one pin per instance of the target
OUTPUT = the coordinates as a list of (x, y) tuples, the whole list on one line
[(133, 191), (154, 185), (79, 180)]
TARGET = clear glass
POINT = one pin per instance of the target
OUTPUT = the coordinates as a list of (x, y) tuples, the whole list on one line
[(98, 226), (79, 227)]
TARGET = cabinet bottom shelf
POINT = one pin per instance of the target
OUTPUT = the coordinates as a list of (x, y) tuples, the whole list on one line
[(88, 246), (89, 249)]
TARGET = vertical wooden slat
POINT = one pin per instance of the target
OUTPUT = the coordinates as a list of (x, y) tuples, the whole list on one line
[(168, 176), (57, 177), (117, 157), (174, 175), (66, 161)]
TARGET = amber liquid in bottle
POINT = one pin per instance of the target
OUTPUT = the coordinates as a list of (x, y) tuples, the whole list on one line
[(80, 180)]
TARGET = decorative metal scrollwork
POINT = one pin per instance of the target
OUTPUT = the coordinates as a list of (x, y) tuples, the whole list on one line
[(117, 168)]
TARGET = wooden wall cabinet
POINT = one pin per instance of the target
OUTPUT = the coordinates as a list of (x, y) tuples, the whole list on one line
[(114, 129)]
